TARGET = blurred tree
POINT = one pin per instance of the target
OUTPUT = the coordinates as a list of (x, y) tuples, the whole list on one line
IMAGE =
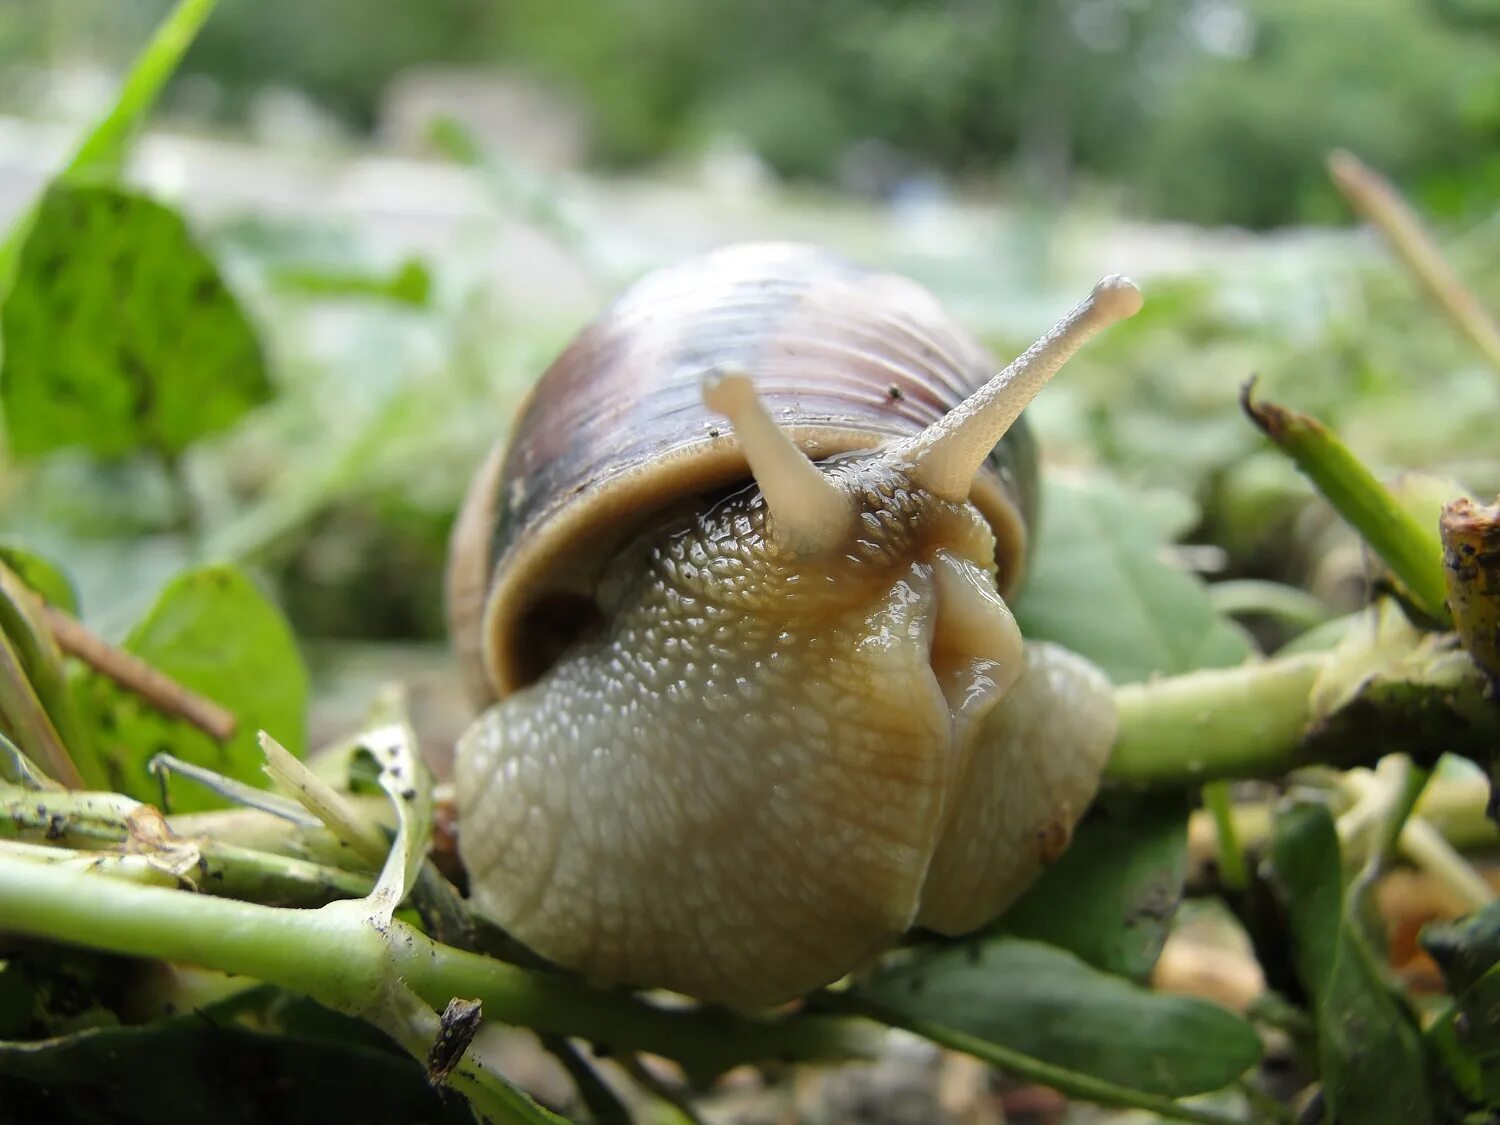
[(1215, 111), (1240, 137)]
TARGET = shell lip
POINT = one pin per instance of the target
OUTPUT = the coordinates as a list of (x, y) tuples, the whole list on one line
[(565, 549)]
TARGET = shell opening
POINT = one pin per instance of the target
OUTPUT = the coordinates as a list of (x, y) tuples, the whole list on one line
[(945, 457), (810, 513)]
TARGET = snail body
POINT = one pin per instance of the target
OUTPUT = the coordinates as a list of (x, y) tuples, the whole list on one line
[(741, 736)]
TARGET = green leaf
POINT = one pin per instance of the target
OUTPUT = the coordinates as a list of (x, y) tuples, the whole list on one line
[(1047, 1004), (1465, 949), (1097, 585), (1374, 1066), (102, 153), (120, 334), (409, 284), (42, 575), (1111, 898), (215, 633), (1466, 1038)]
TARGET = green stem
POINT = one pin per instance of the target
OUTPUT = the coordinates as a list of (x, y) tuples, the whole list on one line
[(100, 821), (23, 624), (1220, 805), (1069, 1082), (103, 150), (26, 720), (1413, 552), (1234, 722), (1408, 790), (333, 955)]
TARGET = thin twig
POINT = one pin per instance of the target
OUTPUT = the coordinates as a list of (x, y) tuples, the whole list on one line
[(1373, 196), (134, 674)]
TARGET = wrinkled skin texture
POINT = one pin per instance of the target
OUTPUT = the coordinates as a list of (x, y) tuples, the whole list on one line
[(765, 769)]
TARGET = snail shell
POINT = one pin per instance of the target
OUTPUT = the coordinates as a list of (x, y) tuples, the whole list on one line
[(616, 430), (748, 734)]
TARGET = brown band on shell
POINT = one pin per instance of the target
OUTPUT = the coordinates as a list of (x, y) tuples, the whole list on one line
[(616, 429)]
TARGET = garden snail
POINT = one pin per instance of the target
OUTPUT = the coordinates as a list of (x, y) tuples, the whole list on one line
[(757, 721)]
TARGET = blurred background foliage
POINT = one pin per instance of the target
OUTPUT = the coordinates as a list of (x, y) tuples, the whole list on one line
[(1208, 111), (1002, 152)]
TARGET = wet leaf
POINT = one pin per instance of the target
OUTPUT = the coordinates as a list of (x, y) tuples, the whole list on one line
[(119, 332), (1045, 1003), (1111, 898), (1098, 585), (214, 632), (1374, 1066)]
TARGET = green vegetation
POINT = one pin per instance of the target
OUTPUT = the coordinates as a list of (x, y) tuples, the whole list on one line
[(230, 444), (1168, 103)]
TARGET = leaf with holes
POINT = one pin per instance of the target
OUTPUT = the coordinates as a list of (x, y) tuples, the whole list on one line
[(119, 333)]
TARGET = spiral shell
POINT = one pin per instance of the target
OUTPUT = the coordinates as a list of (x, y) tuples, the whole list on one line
[(616, 431)]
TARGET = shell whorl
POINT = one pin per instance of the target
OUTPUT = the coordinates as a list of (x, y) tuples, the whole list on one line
[(845, 358)]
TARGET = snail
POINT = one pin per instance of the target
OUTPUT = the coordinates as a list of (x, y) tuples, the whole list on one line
[(733, 595)]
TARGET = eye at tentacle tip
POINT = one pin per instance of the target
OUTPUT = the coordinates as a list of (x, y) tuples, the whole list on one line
[(946, 456), (811, 514)]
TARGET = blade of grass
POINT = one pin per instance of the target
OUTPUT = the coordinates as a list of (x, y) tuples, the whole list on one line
[(23, 622), (1413, 553), (1373, 196)]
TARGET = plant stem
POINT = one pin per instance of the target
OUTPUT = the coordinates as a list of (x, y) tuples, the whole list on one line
[(1407, 789), (27, 721), (101, 154), (1069, 1082), (1233, 722), (334, 956), (135, 675), (1286, 603), (23, 624), (1373, 196), (1451, 811), (1220, 806), (1425, 845), (103, 151), (1413, 552), (95, 823)]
